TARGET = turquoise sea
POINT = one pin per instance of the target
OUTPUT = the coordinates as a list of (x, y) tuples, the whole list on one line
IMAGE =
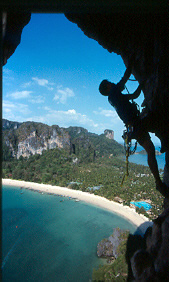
[(142, 159), (51, 238)]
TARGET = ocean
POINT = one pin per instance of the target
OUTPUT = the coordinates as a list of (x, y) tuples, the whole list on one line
[(142, 159), (52, 238)]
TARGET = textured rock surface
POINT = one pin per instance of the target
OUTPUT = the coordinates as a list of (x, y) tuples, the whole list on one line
[(152, 263), (133, 33), (32, 138), (109, 247), (13, 24), (145, 37), (109, 133)]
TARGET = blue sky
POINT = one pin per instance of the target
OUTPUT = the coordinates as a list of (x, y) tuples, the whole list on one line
[(54, 75)]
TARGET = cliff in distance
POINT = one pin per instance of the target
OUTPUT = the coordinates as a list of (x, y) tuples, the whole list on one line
[(30, 138)]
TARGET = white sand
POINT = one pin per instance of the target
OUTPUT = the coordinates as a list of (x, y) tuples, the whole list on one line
[(124, 211)]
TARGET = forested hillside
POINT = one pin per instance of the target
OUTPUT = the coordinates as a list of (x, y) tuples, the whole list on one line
[(102, 176), (77, 159), (29, 138)]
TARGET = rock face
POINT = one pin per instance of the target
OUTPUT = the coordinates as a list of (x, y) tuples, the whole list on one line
[(6, 124), (33, 145), (13, 24), (127, 33), (32, 138), (109, 134), (144, 37), (152, 263), (109, 247)]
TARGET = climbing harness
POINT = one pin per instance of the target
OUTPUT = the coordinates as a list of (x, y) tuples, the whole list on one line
[(128, 150)]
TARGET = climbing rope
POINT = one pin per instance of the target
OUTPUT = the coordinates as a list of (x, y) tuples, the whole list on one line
[(128, 150), (127, 141)]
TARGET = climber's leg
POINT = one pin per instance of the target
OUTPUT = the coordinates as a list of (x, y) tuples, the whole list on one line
[(152, 162), (151, 159)]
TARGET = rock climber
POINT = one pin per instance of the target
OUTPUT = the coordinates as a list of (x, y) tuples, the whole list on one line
[(130, 115)]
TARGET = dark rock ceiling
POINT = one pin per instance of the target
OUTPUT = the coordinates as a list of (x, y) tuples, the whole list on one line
[(144, 36)]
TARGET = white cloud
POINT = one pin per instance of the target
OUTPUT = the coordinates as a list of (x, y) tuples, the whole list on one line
[(67, 118), (37, 100), (8, 104), (15, 111), (27, 84), (108, 113), (43, 82), (110, 120), (20, 94), (63, 94), (46, 108), (8, 74)]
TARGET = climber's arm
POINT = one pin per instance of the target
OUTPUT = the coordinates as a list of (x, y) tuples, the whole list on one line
[(136, 94), (122, 82), (126, 76)]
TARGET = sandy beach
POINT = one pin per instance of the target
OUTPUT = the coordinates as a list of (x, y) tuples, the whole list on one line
[(124, 211)]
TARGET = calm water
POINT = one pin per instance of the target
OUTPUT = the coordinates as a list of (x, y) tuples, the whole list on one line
[(50, 238), (142, 159)]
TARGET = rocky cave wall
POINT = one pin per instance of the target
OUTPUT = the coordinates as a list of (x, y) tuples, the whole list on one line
[(145, 37), (142, 35)]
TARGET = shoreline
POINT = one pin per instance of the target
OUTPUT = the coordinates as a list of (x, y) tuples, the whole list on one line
[(124, 211)]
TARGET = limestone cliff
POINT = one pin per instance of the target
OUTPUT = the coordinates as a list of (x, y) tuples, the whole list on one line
[(109, 133), (32, 138)]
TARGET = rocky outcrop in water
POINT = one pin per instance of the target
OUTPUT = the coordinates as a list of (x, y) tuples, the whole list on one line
[(109, 247)]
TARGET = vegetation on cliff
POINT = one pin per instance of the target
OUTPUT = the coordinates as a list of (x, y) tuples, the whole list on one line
[(117, 268), (28, 138), (102, 176), (90, 163)]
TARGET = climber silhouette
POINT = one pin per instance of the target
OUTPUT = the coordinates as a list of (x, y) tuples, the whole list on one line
[(130, 115)]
